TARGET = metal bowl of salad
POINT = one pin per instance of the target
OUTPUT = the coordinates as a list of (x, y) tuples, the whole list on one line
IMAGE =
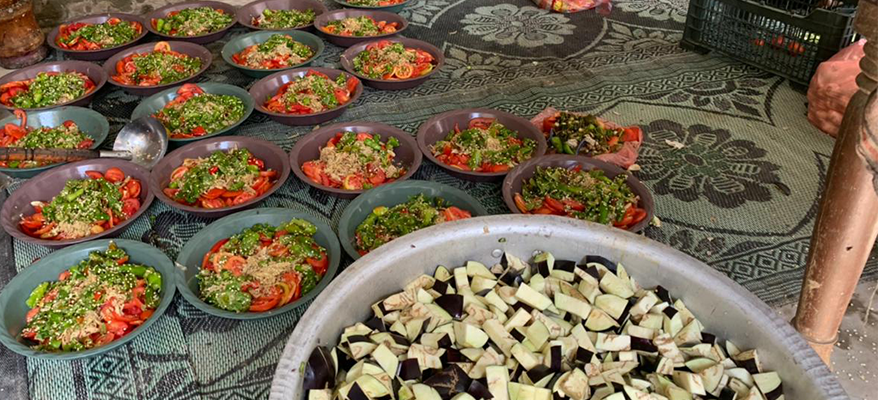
[(97, 37), (63, 127), (216, 177), (394, 6), (394, 63), (306, 96), (77, 202), (153, 67), (390, 211), (349, 158), (192, 21), (280, 15), (118, 288), (479, 144), (258, 263), (347, 27), (197, 111), (51, 84), (262, 53), (579, 187), (601, 312)]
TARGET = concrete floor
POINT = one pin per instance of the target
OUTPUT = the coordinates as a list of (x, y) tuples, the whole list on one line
[(855, 357)]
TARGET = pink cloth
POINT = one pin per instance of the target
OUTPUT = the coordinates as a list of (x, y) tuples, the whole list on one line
[(832, 86), (623, 158), (572, 6)]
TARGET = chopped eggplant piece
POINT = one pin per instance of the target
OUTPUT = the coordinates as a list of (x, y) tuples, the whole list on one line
[(409, 369), (356, 393), (769, 384), (588, 259), (748, 359), (320, 371), (452, 304), (449, 381), (479, 390)]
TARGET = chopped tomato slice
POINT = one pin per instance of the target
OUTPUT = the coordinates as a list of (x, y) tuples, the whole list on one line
[(130, 206), (95, 174), (114, 175)]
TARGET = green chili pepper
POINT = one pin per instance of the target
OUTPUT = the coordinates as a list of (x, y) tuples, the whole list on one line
[(154, 280), (137, 270), (567, 149), (557, 144), (603, 213), (37, 294)]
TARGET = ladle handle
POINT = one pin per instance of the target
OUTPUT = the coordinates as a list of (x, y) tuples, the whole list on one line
[(51, 156)]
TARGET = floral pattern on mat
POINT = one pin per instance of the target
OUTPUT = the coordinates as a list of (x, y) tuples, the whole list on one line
[(660, 10), (526, 26), (699, 162)]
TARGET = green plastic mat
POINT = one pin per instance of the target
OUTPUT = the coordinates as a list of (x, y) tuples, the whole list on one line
[(740, 194)]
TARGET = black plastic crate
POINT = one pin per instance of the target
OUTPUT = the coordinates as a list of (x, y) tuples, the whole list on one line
[(786, 37)]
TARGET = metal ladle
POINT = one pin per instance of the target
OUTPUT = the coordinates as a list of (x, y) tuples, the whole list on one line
[(144, 141)]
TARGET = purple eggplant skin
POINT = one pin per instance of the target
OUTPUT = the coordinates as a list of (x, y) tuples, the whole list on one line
[(399, 339), (612, 266), (670, 311), (320, 373), (478, 390), (445, 343), (449, 381), (774, 394), (409, 369), (440, 286), (518, 335), (512, 277), (583, 355), (556, 358), (452, 304), (541, 371), (356, 393), (708, 338), (452, 356), (749, 365), (641, 344), (522, 305), (663, 294), (564, 265), (727, 394), (345, 362), (590, 270), (376, 323), (541, 268)]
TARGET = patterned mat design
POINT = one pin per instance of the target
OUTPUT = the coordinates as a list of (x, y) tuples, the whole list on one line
[(740, 195)]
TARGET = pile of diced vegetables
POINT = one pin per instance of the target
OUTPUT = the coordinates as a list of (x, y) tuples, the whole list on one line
[(545, 330)]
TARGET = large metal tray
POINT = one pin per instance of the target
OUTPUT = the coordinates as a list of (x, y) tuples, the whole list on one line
[(726, 309)]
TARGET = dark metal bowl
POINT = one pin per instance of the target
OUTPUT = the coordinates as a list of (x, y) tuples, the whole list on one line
[(48, 184), (153, 104), (201, 39), (347, 61), (253, 9), (437, 127), (13, 309), (396, 8), (101, 54), (92, 70), (190, 49), (347, 41), (239, 43), (514, 181), (265, 150), (308, 148), (90, 122), (393, 194), (267, 87), (190, 258)]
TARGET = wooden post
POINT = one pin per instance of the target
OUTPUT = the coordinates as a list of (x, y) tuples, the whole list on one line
[(846, 226)]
